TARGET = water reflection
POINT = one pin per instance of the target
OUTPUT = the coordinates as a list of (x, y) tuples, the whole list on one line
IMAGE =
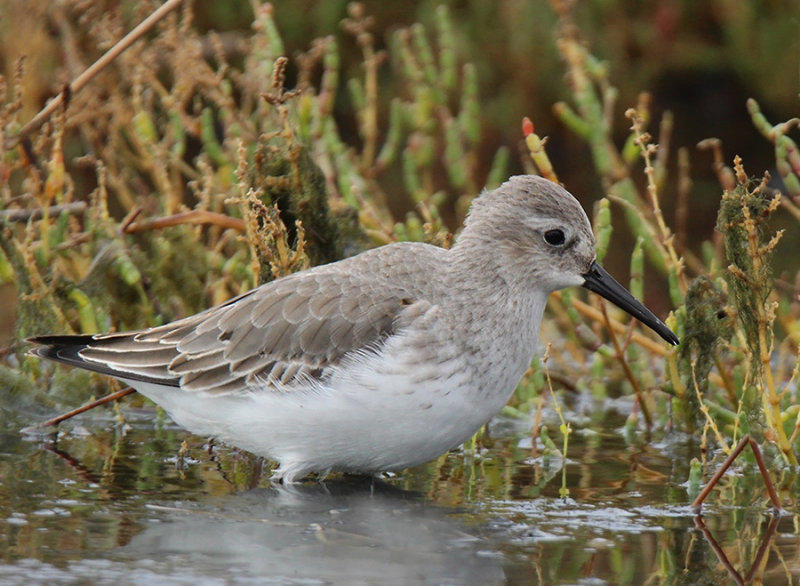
[(340, 532), (564, 542), (756, 564), (119, 506), (125, 502)]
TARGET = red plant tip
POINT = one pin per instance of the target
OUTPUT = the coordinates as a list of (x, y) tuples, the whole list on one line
[(527, 126)]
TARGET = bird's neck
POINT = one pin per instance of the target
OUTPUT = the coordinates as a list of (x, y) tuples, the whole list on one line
[(489, 288), (495, 315)]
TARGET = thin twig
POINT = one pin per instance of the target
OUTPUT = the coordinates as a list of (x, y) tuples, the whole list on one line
[(586, 310), (84, 78), (191, 217), (655, 348), (75, 207), (619, 353), (79, 410), (129, 218), (773, 496), (698, 502)]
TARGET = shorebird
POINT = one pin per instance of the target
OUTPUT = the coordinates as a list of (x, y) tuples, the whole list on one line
[(377, 362)]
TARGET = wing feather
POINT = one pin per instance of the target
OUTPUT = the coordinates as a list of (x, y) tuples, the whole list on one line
[(285, 332)]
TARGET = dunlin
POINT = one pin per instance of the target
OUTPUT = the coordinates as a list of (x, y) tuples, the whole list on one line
[(378, 362)]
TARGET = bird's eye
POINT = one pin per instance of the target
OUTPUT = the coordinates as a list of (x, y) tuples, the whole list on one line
[(555, 237)]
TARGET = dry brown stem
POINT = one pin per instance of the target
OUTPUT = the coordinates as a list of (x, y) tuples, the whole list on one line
[(191, 217), (84, 78)]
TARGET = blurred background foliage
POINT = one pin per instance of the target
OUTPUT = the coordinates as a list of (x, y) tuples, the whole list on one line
[(700, 61), (240, 141)]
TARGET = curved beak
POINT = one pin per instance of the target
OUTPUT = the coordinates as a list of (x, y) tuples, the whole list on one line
[(599, 281)]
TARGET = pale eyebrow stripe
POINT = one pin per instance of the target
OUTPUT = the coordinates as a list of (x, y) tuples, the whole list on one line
[(538, 223)]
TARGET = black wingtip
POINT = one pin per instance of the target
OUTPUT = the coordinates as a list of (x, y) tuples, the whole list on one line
[(61, 340), (66, 349)]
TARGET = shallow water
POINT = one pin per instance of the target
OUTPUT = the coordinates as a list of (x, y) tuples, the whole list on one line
[(107, 502)]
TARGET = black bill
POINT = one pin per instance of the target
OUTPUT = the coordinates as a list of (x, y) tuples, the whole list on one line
[(599, 281)]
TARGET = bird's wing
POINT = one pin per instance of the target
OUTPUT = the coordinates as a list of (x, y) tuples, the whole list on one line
[(293, 329)]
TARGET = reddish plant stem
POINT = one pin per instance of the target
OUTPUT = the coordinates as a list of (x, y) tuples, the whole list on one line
[(773, 496), (81, 409)]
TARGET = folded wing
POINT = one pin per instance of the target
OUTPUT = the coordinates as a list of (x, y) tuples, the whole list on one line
[(290, 330)]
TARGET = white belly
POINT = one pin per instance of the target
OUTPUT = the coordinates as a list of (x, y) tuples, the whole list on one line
[(377, 414)]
